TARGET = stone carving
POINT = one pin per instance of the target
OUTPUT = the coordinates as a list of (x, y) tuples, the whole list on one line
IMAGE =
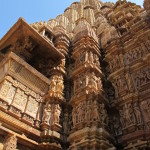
[(114, 64), (20, 99), (146, 108), (24, 47), (47, 112), (74, 118), (88, 112), (96, 116), (66, 122), (120, 85), (137, 113), (141, 77), (127, 116), (116, 124), (103, 115), (56, 86), (10, 143), (56, 114), (122, 118), (6, 86), (32, 107)]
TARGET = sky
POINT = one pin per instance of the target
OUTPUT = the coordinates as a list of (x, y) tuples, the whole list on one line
[(34, 11)]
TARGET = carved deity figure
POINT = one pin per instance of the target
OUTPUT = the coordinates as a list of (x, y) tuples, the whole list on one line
[(128, 115), (90, 57), (74, 116), (103, 114), (80, 112), (60, 85), (56, 115), (96, 111), (99, 84), (52, 84), (65, 122), (46, 114), (137, 113), (88, 112)]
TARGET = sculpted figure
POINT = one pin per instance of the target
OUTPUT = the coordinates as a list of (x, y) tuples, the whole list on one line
[(90, 57), (60, 85), (138, 80), (137, 113), (74, 116), (88, 112), (57, 112), (65, 122), (99, 84), (52, 84), (86, 56), (96, 60), (96, 111), (127, 115), (46, 114), (122, 118), (103, 114), (80, 112)]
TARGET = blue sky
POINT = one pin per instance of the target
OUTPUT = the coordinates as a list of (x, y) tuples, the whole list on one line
[(34, 10)]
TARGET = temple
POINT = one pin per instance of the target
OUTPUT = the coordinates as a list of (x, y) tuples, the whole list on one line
[(78, 82)]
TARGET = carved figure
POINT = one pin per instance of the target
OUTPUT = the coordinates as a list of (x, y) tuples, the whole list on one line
[(122, 118), (46, 114), (137, 113), (52, 84), (65, 122), (103, 114), (96, 112), (127, 113), (74, 116), (88, 112), (56, 115)]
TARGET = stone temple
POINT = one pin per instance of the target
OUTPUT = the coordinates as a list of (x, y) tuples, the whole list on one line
[(78, 82)]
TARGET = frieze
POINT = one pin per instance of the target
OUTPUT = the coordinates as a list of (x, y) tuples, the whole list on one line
[(141, 77), (137, 53)]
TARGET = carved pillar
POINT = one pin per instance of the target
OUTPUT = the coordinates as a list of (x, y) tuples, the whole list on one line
[(88, 100)]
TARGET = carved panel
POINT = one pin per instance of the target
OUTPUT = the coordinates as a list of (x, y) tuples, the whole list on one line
[(32, 107), (7, 91), (20, 99), (141, 77)]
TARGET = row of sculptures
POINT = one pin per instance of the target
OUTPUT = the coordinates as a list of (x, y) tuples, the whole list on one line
[(130, 56), (51, 114), (120, 85), (130, 115), (56, 86), (88, 112), (88, 57), (142, 77), (89, 80)]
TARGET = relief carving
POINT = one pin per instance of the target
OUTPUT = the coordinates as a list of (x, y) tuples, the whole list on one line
[(20, 99), (47, 112), (56, 114), (141, 77)]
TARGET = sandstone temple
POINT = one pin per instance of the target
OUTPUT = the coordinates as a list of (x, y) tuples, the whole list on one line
[(78, 82)]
